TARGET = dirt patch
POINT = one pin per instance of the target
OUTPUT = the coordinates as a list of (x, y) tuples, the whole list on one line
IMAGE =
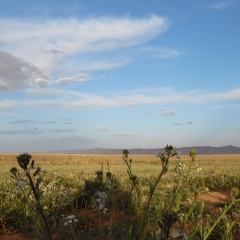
[(15, 236), (212, 200), (216, 197)]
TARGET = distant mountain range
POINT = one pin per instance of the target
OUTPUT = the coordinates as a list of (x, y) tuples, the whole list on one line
[(206, 150)]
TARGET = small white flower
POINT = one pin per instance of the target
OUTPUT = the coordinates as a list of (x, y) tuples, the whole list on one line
[(199, 169), (176, 234), (101, 206), (104, 210), (185, 237), (70, 219), (189, 200), (206, 189)]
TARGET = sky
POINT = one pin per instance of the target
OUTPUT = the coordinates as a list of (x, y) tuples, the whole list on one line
[(118, 74)]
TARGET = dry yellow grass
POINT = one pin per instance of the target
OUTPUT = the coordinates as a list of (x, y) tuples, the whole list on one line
[(142, 163)]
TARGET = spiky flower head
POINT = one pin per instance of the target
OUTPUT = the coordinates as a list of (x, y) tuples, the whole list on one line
[(23, 160), (125, 153), (14, 171)]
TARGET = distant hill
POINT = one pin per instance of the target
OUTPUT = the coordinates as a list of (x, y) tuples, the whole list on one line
[(206, 150)]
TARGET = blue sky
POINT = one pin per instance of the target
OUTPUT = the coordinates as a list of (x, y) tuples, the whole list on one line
[(118, 74)]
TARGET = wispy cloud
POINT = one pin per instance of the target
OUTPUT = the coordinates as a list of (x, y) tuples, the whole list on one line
[(223, 4), (161, 52), (22, 122), (76, 100), (69, 37), (7, 104), (146, 112), (58, 130), (77, 78), (26, 131), (180, 124), (226, 106), (169, 113), (102, 65), (102, 129), (126, 134), (67, 122), (49, 122)]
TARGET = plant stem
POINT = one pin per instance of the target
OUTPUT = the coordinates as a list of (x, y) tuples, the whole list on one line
[(144, 218), (39, 207)]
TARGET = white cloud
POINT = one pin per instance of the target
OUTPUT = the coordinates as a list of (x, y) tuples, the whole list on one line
[(227, 96), (53, 40), (77, 78)]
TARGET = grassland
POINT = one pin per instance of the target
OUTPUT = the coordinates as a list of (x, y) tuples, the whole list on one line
[(143, 163), (69, 175)]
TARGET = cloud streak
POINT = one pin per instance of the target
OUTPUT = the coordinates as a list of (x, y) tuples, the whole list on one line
[(125, 134), (76, 100), (169, 113), (58, 130), (181, 124), (76, 78), (22, 122), (163, 53), (26, 131), (101, 129)]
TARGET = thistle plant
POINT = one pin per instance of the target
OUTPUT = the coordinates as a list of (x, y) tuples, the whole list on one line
[(164, 156), (181, 184), (24, 162)]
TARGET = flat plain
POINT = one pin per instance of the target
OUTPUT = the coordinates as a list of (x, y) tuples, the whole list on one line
[(217, 173)]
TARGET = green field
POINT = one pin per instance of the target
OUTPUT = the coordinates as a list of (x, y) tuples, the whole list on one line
[(71, 180)]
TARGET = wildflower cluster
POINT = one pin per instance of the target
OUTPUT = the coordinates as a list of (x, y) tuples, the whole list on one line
[(99, 201), (180, 167)]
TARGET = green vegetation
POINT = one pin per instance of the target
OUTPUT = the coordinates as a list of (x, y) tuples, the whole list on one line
[(114, 197)]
